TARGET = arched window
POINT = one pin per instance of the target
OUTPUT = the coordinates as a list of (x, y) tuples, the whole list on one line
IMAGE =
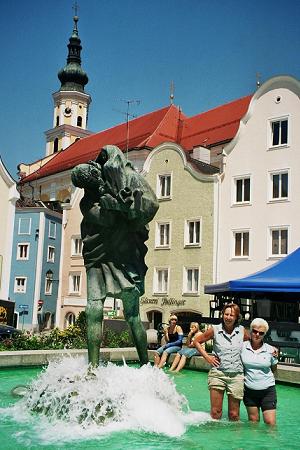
[(49, 282), (47, 320), (69, 319), (55, 148), (57, 121), (79, 121)]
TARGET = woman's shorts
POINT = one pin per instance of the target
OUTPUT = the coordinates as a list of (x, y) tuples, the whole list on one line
[(265, 399), (231, 382), (189, 352), (169, 350)]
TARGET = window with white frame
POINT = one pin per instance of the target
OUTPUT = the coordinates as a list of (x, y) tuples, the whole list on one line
[(51, 253), (23, 251), (52, 229), (191, 280), (279, 241), (279, 132), (76, 247), (279, 185), (49, 282), (164, 186), (192, 232), (241, 243), (161, 280), (162, 238), (24, 225), (242, 187), (20, 285), (74, 283)]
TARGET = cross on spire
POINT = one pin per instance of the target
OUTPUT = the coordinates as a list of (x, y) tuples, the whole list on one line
[(75, 7)]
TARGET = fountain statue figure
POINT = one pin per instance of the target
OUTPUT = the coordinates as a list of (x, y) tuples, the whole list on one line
[(117, 205)]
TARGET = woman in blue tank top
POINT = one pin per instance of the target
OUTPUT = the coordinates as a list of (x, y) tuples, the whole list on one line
[(173, 335)]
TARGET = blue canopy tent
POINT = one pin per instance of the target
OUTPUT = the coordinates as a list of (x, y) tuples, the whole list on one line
[(278, 284), (283, 277)]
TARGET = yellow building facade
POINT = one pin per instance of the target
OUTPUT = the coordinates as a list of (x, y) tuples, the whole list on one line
[(181, 241)]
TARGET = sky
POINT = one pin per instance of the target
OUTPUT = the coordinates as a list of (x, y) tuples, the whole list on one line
[(132, 50)]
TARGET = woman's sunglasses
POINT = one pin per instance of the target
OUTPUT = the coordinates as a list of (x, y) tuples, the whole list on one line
[(261, 333)]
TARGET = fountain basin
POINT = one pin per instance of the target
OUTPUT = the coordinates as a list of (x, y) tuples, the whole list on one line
[(199, 432)]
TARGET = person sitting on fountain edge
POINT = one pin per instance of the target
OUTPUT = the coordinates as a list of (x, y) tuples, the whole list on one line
[(173, 335), (188, 351)]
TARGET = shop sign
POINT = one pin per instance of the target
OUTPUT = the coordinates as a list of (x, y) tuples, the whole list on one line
[(165, 301)]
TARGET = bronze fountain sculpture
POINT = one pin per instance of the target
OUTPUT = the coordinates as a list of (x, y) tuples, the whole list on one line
[(117, 206)]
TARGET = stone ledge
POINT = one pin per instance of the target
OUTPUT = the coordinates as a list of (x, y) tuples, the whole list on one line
[(285, 373), (24, 358)]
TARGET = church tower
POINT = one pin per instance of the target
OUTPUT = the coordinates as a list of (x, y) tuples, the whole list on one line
[(71, 103)]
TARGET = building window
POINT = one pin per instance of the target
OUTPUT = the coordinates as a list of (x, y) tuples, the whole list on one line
[(24, 225), (57, 121), (23, 252), (242, 190), (76, 247), (55, 145), (20, 285), (161, 281), (52, 230), (49, 282), (51, 254), (241, 244), (191, 280), (192, 232), (164, 186), (280, 185), (70, 319), (74, 283), (162, 235), (279, 241), (79, 121), (279, 132)]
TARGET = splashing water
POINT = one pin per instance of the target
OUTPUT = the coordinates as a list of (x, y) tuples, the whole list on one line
[(69, 400)]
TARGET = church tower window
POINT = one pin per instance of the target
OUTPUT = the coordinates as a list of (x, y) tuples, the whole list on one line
[(55, 148)]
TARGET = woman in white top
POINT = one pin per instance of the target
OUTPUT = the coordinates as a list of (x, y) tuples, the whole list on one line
[(227, 373), (259, 364)]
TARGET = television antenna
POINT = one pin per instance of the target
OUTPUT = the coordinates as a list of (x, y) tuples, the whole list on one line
[(128, 115)]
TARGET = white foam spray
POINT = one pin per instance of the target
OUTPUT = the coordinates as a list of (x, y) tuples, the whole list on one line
[(70, 401)]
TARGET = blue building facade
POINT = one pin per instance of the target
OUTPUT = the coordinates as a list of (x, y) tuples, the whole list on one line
[(35, 265)]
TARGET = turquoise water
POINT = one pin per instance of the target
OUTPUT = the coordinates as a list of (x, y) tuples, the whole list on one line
[(208, 435)]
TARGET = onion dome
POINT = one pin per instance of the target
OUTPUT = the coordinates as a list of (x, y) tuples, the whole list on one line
[(72, 76)]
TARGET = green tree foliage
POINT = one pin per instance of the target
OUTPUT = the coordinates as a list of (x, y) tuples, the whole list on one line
[(73, 337)]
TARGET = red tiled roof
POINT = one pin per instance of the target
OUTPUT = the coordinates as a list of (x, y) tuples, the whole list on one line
[(145, 131), (168, 124), (216, 125)]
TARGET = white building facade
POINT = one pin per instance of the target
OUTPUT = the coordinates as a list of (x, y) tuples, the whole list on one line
[(8, 197), (259, 189)]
